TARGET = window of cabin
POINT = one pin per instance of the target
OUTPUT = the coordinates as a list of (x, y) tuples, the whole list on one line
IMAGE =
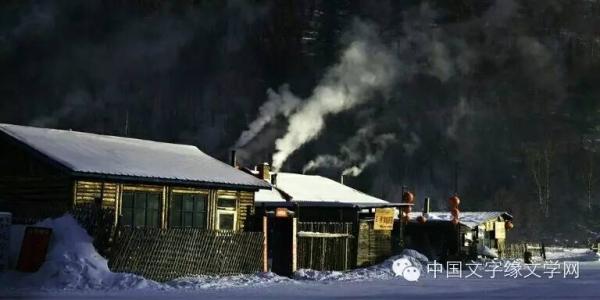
[(141, 209), (226, 213), (188, 210)]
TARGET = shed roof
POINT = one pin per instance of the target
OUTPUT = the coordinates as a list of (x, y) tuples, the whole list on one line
[(95, 155), (315, 190), (470, 219)]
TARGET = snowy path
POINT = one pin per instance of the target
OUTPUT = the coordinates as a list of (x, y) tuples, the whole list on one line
[(586, 287)]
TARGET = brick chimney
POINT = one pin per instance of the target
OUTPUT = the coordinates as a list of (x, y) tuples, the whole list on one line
[(264, 171)]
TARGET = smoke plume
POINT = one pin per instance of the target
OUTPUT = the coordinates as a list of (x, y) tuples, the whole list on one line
[(282, 103), (357, 153), (366, 66)]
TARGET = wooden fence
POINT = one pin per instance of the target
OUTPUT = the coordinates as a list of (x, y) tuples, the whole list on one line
[(374, 246), (325, 246), (517, 250), (165, 254), (99, 222)]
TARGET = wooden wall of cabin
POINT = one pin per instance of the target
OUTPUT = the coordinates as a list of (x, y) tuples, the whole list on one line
[(86, 192), (30, 187), (246, 210)]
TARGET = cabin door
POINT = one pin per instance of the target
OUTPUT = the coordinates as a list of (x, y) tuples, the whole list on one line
[(281, 241)]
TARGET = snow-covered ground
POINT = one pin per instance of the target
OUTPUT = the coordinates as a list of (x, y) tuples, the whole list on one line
[(74, 270)]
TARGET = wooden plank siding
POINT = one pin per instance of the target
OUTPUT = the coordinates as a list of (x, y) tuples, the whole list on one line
[(246, 210), (87, 191), (373, 246), (30, 188), (33, 198)]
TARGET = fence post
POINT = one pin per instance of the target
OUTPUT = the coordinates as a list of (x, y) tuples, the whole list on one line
[(346, 247), (294, 244), (312, 240), (265, 253)]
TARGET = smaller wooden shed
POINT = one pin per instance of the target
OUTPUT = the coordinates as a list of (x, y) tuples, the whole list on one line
[(335, 222)]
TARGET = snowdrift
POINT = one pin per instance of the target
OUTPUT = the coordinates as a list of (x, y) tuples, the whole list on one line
[(571, 254), (72, 263), (380, 271)]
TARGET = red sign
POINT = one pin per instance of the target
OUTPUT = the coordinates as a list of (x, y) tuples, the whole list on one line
[(34, 248)]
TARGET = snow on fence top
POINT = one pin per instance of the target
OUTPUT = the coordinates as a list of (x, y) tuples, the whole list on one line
[(313, 188), (469, 219), (87, 154)]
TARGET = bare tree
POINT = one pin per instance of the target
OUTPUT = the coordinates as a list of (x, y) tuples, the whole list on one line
[(589, 179), (540, 161)]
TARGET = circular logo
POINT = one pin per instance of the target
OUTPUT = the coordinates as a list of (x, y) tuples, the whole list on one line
[(411, 274), (399, 265)]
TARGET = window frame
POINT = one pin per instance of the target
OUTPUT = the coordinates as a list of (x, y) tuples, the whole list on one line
[(226, 210), (196, 198), (134, 208)]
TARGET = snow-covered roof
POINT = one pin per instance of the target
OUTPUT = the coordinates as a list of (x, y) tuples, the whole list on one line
[(314, 189), (87, 154), (470, 218)]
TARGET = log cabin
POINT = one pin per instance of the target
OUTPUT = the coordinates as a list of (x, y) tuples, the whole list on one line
[(47, 172)]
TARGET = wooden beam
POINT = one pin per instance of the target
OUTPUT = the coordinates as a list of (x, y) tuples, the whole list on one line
[(265, 245)]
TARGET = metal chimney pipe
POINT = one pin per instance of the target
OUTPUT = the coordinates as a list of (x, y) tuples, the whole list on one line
[(426, 206), (233, 158), (342, 179), (274, 179)]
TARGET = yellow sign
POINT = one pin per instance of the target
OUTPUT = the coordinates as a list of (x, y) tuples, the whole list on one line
[(281, 212), (499, 230), (384, 219)]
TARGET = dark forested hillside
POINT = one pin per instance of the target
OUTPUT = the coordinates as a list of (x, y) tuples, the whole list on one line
[(498, 100)]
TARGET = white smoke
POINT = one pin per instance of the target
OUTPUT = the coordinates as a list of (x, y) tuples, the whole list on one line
[(382, 142), (366, 66), (357, 153), (282, 103), (321, 161)]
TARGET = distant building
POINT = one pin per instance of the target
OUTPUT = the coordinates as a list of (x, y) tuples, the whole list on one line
[(475, 234), (46, 172)]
